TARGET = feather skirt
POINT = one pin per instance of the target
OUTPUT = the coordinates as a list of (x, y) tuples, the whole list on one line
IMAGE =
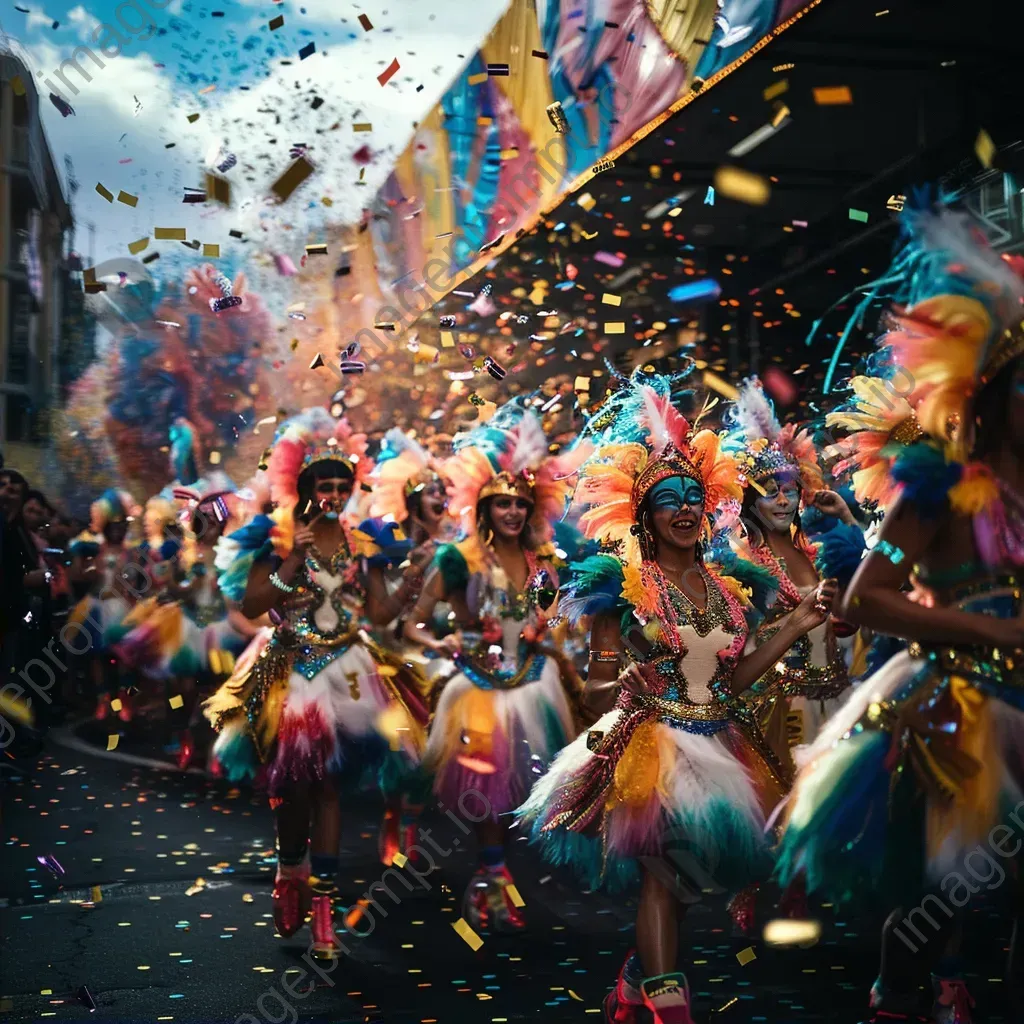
[(496, 743)]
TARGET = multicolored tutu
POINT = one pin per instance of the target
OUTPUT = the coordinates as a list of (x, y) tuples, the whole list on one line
[(913, 773), (496, 742)]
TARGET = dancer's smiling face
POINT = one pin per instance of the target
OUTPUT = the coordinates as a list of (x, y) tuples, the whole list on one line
[(432, 501), (677, 511), (508, 515), (779, 504)]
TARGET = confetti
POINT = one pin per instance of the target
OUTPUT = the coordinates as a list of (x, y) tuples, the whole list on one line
[(96, 894), (390, 71), (218, 189), (211, 250), (467, 934), (112, 741), (776, 89), (497, 69), (307, 51), (106, 193), (127, 198), (447, 339), (137, 246), (556, 115), (833, 96), (743, 186), (787, 932), (745, 956), (295, 174), (984, 148), (513, 895), (399, 859), (479, 79), (177, 701), (318, 361), (611, 300), (17, 86), (275, 23), (317, 249), (192, 118), (170, 234), (616, 327), (715, 383), (362, 126), (539, 53), (365, 22), (586, 202), (151, 257), (860, 215)]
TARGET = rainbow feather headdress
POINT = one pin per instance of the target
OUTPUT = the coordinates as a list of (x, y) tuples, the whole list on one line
[(618, 476), (509, 455), (962, 322), (110, 507), (764, 448), (403, 467), (312, 436)]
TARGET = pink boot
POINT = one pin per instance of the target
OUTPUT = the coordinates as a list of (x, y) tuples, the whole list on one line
[(953, 1003), (668, 998), (325, 941), (292, 898)]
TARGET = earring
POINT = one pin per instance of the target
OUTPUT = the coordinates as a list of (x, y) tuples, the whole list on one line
[(489, 537)]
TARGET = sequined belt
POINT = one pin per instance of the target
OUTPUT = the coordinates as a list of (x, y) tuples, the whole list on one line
[(486, 679), (312, 651), (673, 711), (993, 671)]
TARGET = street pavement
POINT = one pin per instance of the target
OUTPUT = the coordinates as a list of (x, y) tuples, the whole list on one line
[(152, 903)]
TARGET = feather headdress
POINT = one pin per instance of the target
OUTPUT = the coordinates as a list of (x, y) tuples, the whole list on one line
[(763, 447), (403, 466), (880, 421), (311, 437), (962, 324), (509, 456), (112, 506), (617, 478)]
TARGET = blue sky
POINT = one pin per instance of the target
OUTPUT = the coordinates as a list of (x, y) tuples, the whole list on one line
[(131, 132)]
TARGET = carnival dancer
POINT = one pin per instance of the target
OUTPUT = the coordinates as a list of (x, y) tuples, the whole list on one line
[(674, 767), (509, 707), (779, 470), (100, 560), (191, 637), (307, 700), (905, 780), (409, 513)]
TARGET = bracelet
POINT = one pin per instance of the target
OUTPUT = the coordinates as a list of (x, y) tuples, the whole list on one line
[(280, 584), (890, 551), (605, 656)]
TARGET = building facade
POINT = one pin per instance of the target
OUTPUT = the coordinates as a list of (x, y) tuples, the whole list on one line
[(35, 227)]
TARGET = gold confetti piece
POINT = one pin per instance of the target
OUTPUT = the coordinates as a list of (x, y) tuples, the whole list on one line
[(477, 79), (247, 897), (833, 96), (292, 177), (513, 895), (715, 383), (399, 859), (317, 249), (192, 118), (611, 300), (586, 202), (786, 932), (106, 193), (745, 956), (177, 701), (579, 999), (218, 189), (362, 126), (593, 234), (483, 122), (327, 201), (18, 86), (112, 741), (209, 249), (509, 154), (206, 89), (984, 148), (582, 384), (137, 246), (97, 894), (776, 89), (618, 327), (743, 186), (170, 234), (115, 704), (731, 1002), (214, 458), (464, 931), (780, 115), (447, 339), (46, 991)]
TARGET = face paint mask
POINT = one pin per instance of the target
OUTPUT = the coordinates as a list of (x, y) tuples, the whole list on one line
[(676, 492)]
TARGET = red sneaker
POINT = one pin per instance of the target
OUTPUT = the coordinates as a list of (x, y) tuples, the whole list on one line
[(953, 1003), (326, 945), (488, 903), (623, 1002), (292, 901), (668, 998)]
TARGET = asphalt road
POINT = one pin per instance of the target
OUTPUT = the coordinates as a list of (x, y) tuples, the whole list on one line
[(163, 913)]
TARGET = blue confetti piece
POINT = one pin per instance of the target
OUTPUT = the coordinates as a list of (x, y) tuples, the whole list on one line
[(709, 198)]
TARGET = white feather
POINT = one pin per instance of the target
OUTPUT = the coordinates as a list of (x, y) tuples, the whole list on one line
[(399, 442), (530, 447), (752, 412)]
